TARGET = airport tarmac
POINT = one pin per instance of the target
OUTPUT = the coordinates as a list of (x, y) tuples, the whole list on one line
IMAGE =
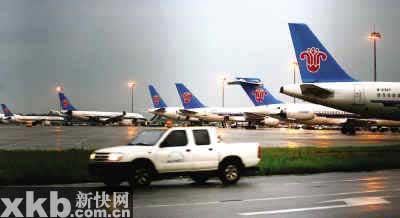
[(357, 194), (364, 194), (64, 137)]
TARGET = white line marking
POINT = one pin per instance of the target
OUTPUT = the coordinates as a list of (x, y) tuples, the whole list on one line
[(360, 201), (262, 199), (292, 183), (178, 205), (291, 210), (349, 202), (352, 180)]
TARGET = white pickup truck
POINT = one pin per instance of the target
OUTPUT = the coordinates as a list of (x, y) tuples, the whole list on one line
[(180, 151)]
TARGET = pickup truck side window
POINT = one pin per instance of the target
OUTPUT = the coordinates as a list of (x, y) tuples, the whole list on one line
[(201, 137), (174, 139)]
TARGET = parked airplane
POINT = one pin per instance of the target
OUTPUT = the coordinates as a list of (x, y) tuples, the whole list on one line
[(268, 105), (194, 108), (160, 108), (25, 119), (2, 119), (326, 83), (94, 116)]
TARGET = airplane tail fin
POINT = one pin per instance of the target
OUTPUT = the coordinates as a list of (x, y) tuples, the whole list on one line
[(6, 111), (316, 64), (65, 103), (188, 100), (158, 102), (256, 91)]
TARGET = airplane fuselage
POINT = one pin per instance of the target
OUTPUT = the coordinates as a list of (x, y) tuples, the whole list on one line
[(310, 114), (369, 99), (86, 115), (219, 114), (23, 119)]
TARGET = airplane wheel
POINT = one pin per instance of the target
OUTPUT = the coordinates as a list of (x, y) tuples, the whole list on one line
[(348, 129)]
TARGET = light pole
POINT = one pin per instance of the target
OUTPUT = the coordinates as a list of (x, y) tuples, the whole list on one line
[(59, 89), (374, 36), (131, 85), (294, 65), (223, 80)]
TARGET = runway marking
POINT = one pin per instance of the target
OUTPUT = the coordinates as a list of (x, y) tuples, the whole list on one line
[(260, 199), (353, 180), (349, 202)]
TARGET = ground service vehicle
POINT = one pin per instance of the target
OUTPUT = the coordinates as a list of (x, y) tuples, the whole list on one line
[(180, 151)]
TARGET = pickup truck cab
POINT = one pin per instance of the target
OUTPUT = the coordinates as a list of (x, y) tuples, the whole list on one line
[(180, 151)]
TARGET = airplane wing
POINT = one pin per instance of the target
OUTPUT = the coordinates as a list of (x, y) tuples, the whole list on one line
[(160, 110), (187, 112), (115, 119), (314, 90), (37, 122), (254, 116), (388, 103)]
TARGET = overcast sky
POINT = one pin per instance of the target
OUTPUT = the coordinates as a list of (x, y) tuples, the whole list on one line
[(93, 48)]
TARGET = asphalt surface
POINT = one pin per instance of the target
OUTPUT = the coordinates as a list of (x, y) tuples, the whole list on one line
[(365, 194), (362, 194), (60, 137)]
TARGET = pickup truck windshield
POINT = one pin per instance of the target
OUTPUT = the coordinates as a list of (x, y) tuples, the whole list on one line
[(147, 137)]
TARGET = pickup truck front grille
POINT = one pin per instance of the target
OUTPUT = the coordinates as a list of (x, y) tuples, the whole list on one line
[(101, 157)]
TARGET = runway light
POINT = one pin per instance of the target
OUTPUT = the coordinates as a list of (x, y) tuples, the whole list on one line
[(59, 89), (374, 36), (131, 84)]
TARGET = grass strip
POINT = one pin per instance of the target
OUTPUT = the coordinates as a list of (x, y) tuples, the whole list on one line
[(316, 159), (19, 167)]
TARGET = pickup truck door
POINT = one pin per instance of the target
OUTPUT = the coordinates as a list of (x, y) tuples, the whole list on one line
[(174, 154), (204, 153)]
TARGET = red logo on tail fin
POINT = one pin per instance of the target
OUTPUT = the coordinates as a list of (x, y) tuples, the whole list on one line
[(313, 57), (156, 100), (65, 103), (259, 94), (187, 97)]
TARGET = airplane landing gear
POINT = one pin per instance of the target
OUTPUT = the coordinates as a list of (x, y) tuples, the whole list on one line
[(348, 129)]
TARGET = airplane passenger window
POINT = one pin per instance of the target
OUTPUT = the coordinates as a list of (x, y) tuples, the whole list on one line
[(174, 139), (201, 137)]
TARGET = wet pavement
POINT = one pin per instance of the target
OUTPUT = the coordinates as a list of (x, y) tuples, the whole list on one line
[(64, 137), (356, 194), (364, 194)]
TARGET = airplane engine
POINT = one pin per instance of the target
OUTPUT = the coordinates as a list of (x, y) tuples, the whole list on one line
[(269, 121), (299, 115)]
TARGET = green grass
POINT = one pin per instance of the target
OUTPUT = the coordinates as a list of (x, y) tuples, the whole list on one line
[(317, 160), (69, 166), (43, 167)]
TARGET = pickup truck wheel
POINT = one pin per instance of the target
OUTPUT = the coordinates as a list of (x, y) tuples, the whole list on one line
[(229, 173), (141, 176), (199, 179)]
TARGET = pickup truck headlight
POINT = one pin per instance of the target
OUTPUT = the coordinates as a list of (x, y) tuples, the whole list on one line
[(92, 156), (115, 156)]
